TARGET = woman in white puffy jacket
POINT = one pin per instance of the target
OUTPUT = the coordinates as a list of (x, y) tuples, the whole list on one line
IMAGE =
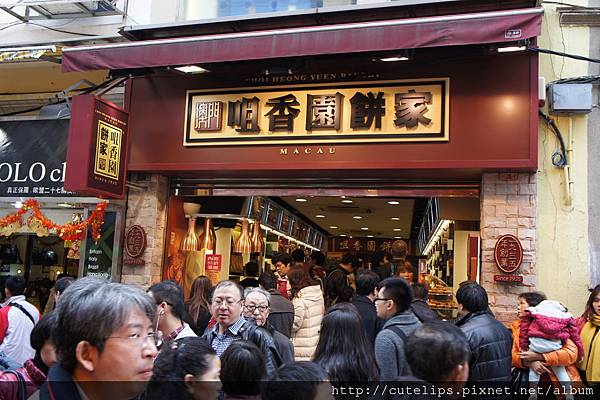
[(309, 308)]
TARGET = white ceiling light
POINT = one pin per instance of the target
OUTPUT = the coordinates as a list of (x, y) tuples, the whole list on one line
[(397, 229), (392, 59), (320, 216), (364, 229), (393, 202), (333, 227), (395, 219), (347, 201), (369, 236), (357, 217), (301, 200), (342, 235), (397, 237), (191, 69)]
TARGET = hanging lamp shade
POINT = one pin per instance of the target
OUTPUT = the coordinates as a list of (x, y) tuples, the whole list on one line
[(208, 238), (244, 242), (190, 241), (258, 240)]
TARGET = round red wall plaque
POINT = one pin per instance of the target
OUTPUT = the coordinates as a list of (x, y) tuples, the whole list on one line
[(135, 241), (508, 253)]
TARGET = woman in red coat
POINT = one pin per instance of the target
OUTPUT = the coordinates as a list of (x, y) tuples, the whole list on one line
[(33, 373)]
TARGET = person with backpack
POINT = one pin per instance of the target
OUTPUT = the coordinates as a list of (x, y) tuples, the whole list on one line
[(17, 319), (21, 383), (393, 305), (340, 281)]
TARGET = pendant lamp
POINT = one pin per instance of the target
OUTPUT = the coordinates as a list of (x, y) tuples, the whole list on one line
[(258, 241), (244, 242), (208, 238), (190, 241)]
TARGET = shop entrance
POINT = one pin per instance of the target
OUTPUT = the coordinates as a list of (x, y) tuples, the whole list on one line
[(218, 231)]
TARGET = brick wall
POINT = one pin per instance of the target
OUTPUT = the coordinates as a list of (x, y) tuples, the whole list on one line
[(508, 206), (147, 208)]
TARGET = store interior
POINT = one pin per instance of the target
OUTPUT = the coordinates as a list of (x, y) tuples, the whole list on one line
[(441, 235)]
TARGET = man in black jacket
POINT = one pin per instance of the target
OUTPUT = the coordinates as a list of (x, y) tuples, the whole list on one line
[(281, 317), (366, 291), (489, 340), (227, 305), (339, 281)]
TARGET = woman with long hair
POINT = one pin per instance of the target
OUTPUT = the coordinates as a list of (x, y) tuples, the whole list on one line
[(590, 338), (198, 306), (186, 369), (243, 371), (343, 350), (309, 308)]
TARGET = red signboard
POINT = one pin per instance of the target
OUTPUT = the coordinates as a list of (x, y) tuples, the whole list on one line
[(213, 267), (508, 253), (508, 278), (135, 241), (360, 245), (97, 148)]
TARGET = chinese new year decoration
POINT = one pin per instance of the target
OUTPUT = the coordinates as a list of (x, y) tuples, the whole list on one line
[(43, 226)]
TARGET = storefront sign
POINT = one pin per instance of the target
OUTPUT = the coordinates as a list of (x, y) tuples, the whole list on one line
[(508, 278), (33, 158), (97, 148), (135, 244), (213, 267), (385, 111), (98, 256), (360, 245), (508, 253)]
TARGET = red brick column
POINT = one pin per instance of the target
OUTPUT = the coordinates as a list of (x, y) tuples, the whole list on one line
[(508, 206)]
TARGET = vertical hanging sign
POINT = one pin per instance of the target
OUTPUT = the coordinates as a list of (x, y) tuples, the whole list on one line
[(97, 148)]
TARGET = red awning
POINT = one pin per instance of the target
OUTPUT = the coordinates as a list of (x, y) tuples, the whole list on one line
[(452, 30)]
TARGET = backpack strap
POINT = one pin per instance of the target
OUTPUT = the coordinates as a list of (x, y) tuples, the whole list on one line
[(21, 391), (24, 311), (402, 336)]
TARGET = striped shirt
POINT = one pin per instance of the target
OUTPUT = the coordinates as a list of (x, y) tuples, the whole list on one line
[(222, 340)]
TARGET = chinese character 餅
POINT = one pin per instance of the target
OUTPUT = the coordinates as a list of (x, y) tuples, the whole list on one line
[(366, 109)]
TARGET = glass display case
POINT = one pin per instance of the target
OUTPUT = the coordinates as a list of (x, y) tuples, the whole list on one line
[(440, 297)]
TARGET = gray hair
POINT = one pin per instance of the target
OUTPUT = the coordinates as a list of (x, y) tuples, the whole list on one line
[(92, 310), (258, 290), (224, 284)]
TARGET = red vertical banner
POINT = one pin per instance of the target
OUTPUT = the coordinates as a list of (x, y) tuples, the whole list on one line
[(213, 265), (97, 148)]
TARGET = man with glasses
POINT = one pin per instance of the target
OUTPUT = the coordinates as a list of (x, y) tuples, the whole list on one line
[(392, 304), (257, 305), (227, 305), (168, 297), (105, 342)]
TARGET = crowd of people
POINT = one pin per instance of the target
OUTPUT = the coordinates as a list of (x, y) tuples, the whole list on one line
[(303, 332)]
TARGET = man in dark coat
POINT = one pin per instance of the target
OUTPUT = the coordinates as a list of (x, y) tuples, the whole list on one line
[(366, 291), (419, 304), (489, 340), (339, 286), (281, 317)]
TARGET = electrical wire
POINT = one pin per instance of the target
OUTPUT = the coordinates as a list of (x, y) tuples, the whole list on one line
[(560, 53), (560, 3), (51, 28), (559, 157)]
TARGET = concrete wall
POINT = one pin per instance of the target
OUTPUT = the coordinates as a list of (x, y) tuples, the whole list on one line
[(562, 227)]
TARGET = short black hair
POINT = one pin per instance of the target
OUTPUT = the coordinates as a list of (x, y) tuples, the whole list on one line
[(63, 283), (473, 297), (169, 292), (366, 282), (318, 258), (436, 343), (533, 298), (251, 268), (351, 259), (284, 258), (242, 368), (295, 381), (420, 290), (16, 285), (398, 290), (298, 255), (42, 331), (268, 280)]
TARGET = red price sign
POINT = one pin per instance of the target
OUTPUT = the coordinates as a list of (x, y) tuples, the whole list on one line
[(213, 262)]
